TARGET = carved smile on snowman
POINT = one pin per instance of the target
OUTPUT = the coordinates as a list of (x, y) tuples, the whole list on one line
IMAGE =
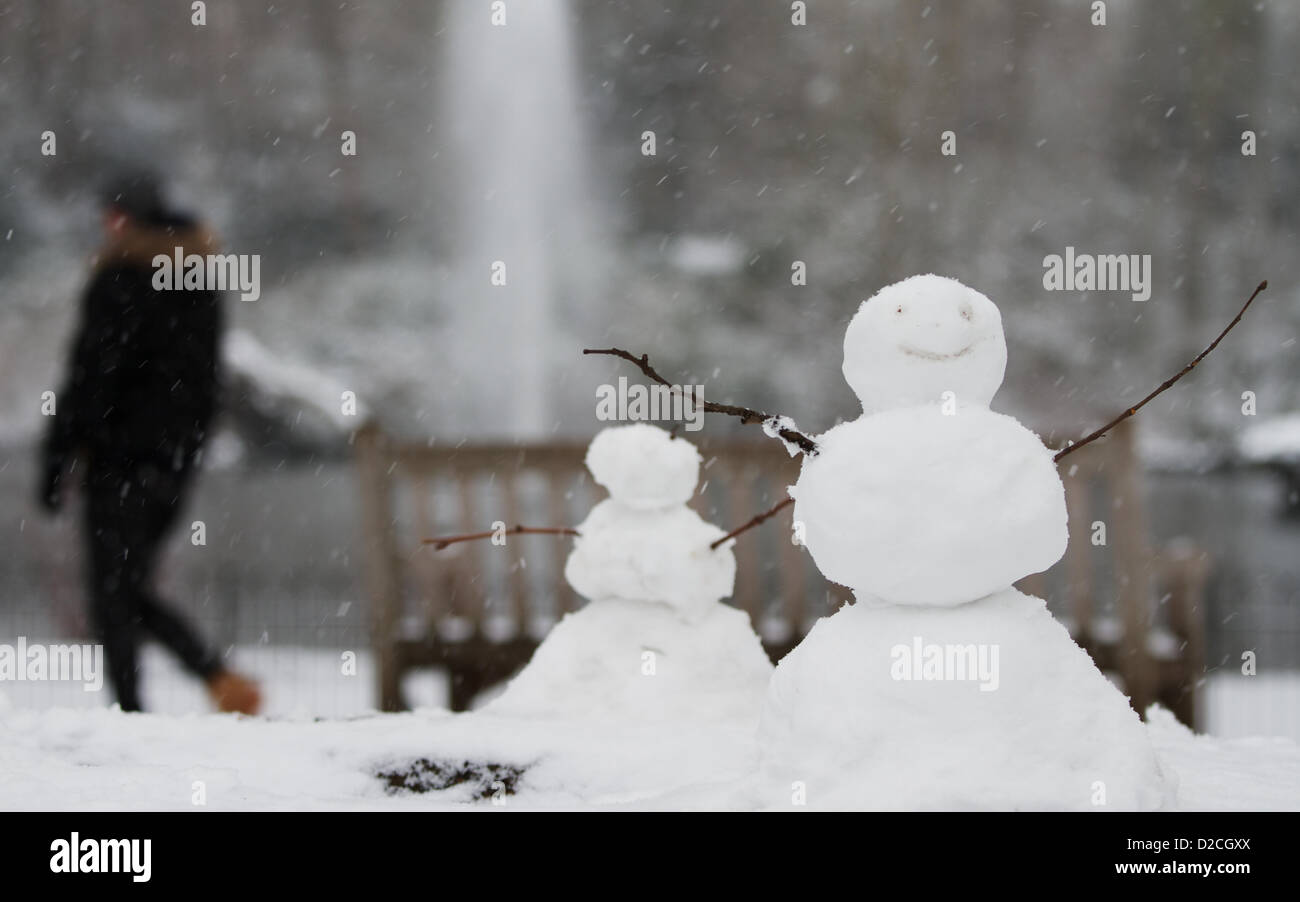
[(934, 355), (915, 349)]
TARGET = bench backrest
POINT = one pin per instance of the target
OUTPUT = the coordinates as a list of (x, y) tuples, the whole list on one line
[(412, 492)]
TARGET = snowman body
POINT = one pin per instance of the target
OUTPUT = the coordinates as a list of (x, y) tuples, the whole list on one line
[(916, 506), (655, 643), (942, 686), (986, 705)]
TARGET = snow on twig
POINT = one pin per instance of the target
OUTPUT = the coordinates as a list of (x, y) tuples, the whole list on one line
[(781, 427)]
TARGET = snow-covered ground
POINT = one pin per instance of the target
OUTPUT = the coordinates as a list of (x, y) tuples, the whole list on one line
[(320, 745), (298, 682)]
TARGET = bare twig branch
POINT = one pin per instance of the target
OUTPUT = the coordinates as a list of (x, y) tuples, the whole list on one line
[(746, 415), (1092, 436), (441, 542), (770, 512)]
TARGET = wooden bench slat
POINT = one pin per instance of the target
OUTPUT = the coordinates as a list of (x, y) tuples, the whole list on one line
[(1079, 554), (565, 598)]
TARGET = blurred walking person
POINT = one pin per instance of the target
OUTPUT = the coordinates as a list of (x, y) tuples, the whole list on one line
[(140, 392)]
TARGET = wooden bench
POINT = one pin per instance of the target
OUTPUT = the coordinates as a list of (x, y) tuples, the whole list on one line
[(479, 610)]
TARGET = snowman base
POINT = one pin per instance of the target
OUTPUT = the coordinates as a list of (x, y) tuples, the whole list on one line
[(986, 705), (643, 662)]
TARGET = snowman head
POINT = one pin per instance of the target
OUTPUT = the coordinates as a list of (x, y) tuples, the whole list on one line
[(644, 467), (916, 339)]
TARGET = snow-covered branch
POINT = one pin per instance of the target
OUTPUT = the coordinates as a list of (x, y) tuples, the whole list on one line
[(441, 542), (1098, 433), (777, 425), (754, 521)]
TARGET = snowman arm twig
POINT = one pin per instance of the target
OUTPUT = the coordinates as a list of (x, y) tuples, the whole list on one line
[(441, 542), (771, 512), (1098, 433), (747, 415)]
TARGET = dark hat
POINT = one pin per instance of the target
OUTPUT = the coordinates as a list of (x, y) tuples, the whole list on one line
[(137, 193)]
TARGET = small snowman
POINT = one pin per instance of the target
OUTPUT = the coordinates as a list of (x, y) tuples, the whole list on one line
[(655, 643), (942, 686)]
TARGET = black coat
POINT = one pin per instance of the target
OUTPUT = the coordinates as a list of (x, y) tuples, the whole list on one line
[(143, 378)]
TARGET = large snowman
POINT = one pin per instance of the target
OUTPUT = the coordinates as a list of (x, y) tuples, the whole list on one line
[(655, 643), (942, 686)]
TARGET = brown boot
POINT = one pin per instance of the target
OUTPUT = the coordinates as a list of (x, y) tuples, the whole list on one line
[(231, 692)]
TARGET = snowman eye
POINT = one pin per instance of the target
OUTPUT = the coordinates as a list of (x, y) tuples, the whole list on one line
[(966, 312), (900, 309)]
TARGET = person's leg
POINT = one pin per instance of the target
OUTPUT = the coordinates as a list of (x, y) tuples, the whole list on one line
[(167, 627), (159, 495), (113, 613), (162, 491)]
